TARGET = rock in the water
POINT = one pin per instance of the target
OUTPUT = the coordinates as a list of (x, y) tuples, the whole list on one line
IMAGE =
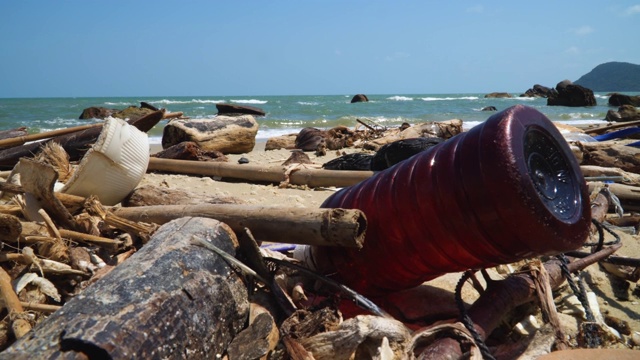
[(359, 98), (132, 113), (355, 161), (538, 91), (489, 108), (397, 151), (620, 99), (96, 112), (569, 94), (624, 113), (309, 138), (227, 134), (498, 95), (229, 109)]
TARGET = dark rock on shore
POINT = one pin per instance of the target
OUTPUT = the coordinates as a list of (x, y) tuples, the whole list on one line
[(569, 94), (619, 99), (498, 95), (624, 113), (538, 91), (359, 98), (397, 151), (355, 161), (231, 109), (489, 108)]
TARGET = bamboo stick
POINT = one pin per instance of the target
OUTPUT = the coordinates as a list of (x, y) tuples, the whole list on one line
[(322, 227), (273, 174), (19, 325), (15, 141)]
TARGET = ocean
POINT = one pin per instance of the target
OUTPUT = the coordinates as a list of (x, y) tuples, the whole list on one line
[(289, 114)]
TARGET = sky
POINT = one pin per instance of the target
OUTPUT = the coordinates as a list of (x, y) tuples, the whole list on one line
[(306, 47)]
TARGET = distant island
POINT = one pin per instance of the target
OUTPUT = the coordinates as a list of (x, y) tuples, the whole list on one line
[(612, 76)]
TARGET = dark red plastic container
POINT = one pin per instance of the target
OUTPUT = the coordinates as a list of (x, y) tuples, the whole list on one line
[(506, 190)]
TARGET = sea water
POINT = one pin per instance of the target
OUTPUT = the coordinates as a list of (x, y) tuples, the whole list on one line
[(289, 114)]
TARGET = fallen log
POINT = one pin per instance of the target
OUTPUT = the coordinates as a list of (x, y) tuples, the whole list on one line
[(610, 154), (271, 174), (75, 144), (170, 299), (329, 227), (629, 195)]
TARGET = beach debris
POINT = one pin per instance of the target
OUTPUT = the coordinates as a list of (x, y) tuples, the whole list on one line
[(397, 151), (227, 134), (189, 150), (75, 144), (113, 166), (281, 142), (235, 109), (118, 254), (331, 227), (411, 257), (353, 161), (297, 157), (159, 303), (310, 177)]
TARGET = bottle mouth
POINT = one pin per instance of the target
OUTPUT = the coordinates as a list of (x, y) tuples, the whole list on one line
[(550, 171)]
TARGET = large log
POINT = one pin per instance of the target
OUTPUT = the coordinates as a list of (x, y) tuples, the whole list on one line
[(328, 227), (611, 154), (272, 174), (75, 144), (172, 299)]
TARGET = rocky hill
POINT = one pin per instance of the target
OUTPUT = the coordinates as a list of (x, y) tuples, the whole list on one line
[(612, 76)]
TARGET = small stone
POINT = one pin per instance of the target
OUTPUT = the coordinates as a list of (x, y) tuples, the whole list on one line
[(243, 160)]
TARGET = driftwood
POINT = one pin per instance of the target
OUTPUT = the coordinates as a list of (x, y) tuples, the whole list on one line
[(172, 299), (629, 195), (75, 144), (11, 133), (189, 150), (19, 140), (502, 296), (611, 154), (625, 177), (271, 174), (604, 129), (329, 227)]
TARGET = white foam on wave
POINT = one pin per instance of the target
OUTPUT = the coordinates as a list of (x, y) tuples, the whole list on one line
[(400, 98), (264, 134), (523, 98), (310, 103), (249, 101), (598, 96), (449, 98), (192, 101), (110, 103)]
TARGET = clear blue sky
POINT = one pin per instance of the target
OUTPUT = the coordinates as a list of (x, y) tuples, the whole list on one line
[(303, 47)]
